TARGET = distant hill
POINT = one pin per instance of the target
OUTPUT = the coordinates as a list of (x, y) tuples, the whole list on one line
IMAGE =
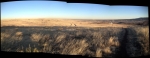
[(142, 18)]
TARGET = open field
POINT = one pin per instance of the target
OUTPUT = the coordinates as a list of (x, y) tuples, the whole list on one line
[(76, 37), (69, 22)]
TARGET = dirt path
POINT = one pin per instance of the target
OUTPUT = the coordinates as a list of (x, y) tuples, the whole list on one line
[(122, 49)]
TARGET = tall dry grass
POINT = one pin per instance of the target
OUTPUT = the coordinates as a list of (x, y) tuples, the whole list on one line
[(138, 41), (92, 42)]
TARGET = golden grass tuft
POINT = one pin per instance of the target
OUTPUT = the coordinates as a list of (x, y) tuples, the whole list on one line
[(60, 37), (107, 50), (113, 41), (35, 50), (36, 37), (29, 49), (99, 52), (18, 34), (4, 35), (75, 47)]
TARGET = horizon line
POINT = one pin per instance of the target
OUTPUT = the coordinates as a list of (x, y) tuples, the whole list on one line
[(70, 18)]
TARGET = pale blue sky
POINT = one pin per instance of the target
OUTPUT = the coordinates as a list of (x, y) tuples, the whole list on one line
[(57, 9)]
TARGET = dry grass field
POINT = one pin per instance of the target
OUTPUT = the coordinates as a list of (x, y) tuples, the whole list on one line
[(75, 37), (58, 22)]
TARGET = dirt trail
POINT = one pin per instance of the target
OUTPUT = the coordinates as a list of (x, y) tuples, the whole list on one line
[(122, 49)]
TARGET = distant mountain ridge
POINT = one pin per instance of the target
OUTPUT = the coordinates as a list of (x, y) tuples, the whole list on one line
[(143, 18)]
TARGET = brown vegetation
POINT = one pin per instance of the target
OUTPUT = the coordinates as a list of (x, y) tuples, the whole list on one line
[(87, 41)]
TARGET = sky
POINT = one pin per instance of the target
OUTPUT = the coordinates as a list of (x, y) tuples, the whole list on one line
[(57, 9)]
